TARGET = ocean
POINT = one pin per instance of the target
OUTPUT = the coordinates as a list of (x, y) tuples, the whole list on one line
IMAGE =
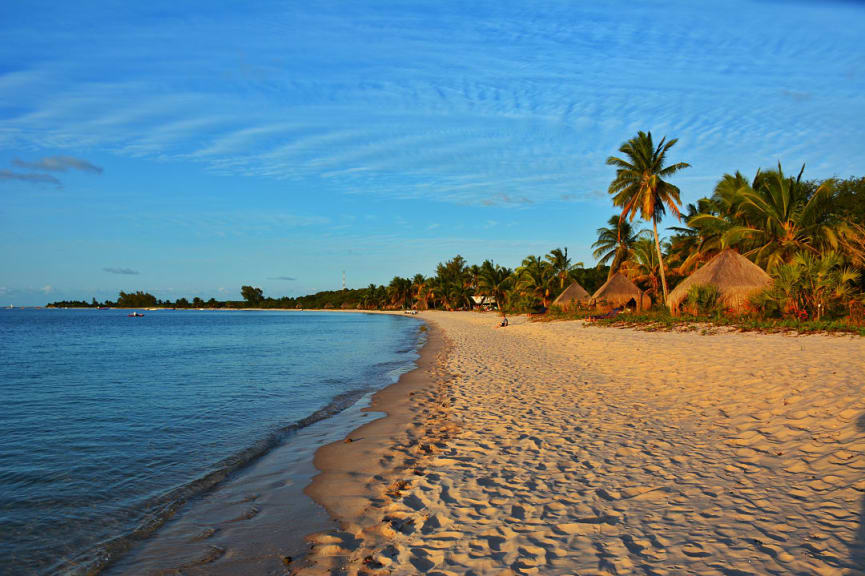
[(111, 425)]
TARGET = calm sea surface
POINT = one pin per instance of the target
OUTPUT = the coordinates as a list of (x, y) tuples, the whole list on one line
[(109, 423)]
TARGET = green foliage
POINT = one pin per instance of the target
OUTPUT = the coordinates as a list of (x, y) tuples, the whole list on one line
[(536, 279), (644, 267), (251, 295), (703, 299), (849, 200), (561, 266), (615, 243), (495, 281), (811, 286), (661, 320), (774, 217), (136, 300), (73, 304), (590, 278), (399, 292)]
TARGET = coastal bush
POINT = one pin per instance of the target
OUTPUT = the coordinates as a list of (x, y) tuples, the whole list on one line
[(703, 299), (809, 287)]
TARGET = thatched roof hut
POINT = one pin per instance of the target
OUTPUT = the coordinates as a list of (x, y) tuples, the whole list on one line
[(735, 277), (573, 293), (618, 290)]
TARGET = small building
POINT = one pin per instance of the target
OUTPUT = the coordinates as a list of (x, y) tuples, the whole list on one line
[(736, 278), (572, 295), (484, 302), (618, 290)]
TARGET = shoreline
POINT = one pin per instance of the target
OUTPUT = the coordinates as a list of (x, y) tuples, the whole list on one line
[(258, 519), (587, 450), (256, 515), (341, 486)]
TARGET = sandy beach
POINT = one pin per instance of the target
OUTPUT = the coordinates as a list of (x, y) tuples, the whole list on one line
[(556, 448)]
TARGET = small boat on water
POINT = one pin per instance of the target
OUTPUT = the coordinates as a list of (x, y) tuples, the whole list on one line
[(135, 314)]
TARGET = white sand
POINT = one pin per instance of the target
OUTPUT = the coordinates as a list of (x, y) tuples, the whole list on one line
[(555, 448)]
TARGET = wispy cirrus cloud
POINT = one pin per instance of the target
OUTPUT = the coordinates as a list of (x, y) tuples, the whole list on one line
[(29, 177), (59, 164), (458, 104), (121, 271)]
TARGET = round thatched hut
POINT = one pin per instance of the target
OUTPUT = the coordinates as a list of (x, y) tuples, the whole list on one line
[(618, 290), (573, 293), (735, 277)]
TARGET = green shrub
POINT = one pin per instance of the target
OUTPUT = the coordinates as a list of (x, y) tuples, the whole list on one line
[(703, 299)]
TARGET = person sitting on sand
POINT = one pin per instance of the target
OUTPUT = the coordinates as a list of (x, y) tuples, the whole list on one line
[(504, 323)]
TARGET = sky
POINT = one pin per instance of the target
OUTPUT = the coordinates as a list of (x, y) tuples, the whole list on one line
[(188, 150)]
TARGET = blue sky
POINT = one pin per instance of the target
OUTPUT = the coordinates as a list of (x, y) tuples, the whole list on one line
[(189, 150)]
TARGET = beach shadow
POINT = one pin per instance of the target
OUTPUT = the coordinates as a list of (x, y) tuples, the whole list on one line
[(857, 548)]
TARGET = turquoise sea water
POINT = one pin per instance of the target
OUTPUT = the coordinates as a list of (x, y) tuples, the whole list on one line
[(108, 424)]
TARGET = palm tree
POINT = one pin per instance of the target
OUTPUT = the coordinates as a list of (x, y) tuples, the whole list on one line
[(773, 218), (685, 243), (812, 284), (615, 243), (399, 291), (368, 300), (639, 185), (561, 265), (418, 290), (644, 265), (779, 217), (826, 280), (474, 272), (435, 289), (535, 277), (495, 280)]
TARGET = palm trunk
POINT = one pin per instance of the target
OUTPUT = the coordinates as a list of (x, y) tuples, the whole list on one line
[(660, 260)]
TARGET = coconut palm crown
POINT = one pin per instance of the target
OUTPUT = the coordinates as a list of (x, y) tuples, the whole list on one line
[(615, 243)]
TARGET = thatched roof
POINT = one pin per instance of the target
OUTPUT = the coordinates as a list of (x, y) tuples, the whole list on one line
[(573, 293), (619, 290), (735, 277)]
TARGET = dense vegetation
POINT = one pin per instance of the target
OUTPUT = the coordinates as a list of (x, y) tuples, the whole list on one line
[(808, 235)]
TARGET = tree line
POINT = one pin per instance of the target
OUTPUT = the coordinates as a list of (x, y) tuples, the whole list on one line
[(808, 235)]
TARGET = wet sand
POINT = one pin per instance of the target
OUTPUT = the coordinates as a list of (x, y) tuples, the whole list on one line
[(360, 474), (557, 448)]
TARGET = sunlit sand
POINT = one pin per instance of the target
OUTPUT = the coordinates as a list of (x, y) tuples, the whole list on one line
[(554, 448)]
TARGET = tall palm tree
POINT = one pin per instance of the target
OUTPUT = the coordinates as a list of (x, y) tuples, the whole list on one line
[(615, 243), (639, 185), (495, 280), (418, 290)]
